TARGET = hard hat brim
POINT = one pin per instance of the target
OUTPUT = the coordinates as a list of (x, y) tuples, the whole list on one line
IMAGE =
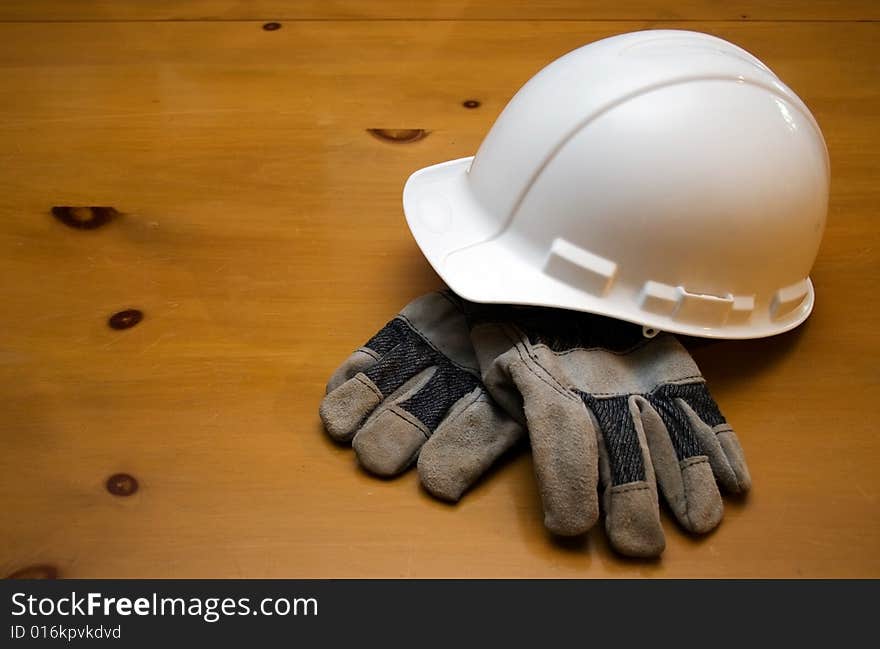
[(463, 245)]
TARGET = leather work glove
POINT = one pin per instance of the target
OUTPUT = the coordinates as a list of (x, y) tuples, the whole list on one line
[(413, 391), (597, 396)]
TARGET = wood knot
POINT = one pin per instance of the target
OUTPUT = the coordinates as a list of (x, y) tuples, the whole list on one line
[(39, 571), (122, 484), (84, 218), (125, 319), (398, 135)]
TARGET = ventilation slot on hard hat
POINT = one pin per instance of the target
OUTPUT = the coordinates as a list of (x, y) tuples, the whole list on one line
[(698, 309), (581, 268), (788, 299)]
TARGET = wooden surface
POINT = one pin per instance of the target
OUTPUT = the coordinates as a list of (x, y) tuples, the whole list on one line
[(455, 10), (261, 234)]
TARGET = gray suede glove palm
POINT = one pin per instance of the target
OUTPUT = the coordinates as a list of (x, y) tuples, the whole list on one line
[(412, 392), (606, 407)]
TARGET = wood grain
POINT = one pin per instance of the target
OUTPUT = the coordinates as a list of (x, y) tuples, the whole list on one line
[(261, 235), (457, 10)]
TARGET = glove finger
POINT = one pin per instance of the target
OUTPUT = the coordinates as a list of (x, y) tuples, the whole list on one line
[(473, 436), (389, 442), (386, 339), (564, 452), (682, 469), (357, 362), (719, 442), (345, 409), (632, 513)]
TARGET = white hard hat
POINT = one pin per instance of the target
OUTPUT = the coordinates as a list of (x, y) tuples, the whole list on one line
[(667, 178)]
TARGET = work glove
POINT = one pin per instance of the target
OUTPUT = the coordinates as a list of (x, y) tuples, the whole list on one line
[(413, 392), (605, 406)]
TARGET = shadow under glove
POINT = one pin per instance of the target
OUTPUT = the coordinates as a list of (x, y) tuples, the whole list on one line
[(413, 391), (603, 404)]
